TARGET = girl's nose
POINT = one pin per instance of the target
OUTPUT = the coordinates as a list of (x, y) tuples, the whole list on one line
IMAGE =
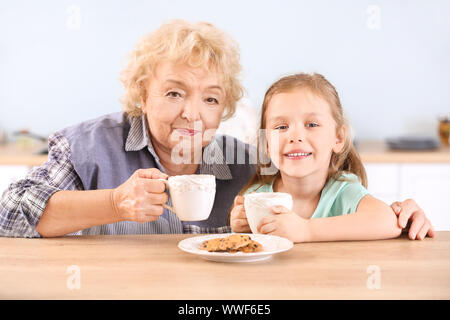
[(296, 135)]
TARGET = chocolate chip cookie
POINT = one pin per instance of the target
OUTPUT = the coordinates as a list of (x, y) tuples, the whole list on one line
[(232, 244), (253, 246)]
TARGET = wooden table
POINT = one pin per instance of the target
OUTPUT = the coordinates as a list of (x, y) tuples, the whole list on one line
[(152, 267)]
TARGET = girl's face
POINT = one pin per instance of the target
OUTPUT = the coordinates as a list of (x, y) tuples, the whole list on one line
[(301, 133)]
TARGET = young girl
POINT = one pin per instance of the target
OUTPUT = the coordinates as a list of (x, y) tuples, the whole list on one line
[(309, 142)]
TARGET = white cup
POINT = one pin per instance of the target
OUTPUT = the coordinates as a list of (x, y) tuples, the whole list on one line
[(257, 206), (192, 196)]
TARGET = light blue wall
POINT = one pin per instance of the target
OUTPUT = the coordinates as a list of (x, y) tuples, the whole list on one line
[(390, 60)]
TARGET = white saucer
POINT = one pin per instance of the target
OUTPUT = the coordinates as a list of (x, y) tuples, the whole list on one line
[(271, 245)]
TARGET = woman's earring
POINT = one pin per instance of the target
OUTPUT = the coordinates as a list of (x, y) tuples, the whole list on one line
[(138, 105)]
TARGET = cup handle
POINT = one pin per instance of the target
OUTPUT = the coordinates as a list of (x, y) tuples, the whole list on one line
[(166, 206)]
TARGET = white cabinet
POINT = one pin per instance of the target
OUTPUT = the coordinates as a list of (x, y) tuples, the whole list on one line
[(384, 181), (427, 183), (9, 174), (429, 186)]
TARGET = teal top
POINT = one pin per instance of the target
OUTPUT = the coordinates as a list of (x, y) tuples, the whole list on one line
[(338, 197)]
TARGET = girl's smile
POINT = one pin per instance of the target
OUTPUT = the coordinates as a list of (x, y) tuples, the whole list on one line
[(297, 154)]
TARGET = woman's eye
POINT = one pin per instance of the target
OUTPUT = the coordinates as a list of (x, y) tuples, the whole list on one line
[(282, 127), (312, 125), (212, 100), (173, 94)]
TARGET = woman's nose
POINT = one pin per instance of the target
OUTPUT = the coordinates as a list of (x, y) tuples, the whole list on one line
[(190, 111)]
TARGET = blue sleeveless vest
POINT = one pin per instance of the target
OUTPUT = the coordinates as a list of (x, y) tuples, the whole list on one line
[(99, 156)]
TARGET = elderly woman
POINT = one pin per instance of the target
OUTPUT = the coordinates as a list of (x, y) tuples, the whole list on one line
[(102, 176)]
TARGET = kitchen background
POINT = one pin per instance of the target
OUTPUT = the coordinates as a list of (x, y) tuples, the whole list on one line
[(389, 60)]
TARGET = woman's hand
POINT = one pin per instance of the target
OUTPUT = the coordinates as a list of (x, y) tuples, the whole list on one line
[(286, 224), (140, 198), (420, 226), (238, 218)]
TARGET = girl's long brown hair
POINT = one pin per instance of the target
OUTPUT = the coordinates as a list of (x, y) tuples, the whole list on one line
[(346, 161)]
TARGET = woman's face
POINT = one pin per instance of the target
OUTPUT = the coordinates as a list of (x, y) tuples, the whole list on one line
[(182, 104)]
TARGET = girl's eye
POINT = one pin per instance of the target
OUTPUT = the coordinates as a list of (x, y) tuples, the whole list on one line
[(173, 94), (312, 125), (212, 100), (282, 127)]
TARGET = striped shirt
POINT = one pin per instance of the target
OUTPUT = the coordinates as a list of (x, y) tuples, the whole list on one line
[(23, 203)]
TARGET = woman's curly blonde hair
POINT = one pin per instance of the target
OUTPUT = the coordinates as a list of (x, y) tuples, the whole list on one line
[(199, 45)]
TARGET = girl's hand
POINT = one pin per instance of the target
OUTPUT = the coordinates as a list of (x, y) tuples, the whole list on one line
[(238, 218), (420, 226), (286, 224)]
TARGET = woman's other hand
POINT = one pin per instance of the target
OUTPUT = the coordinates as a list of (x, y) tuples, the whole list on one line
[(419, 225)]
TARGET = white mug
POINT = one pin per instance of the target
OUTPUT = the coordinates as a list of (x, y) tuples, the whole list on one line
[(258, 205), (192, 196)]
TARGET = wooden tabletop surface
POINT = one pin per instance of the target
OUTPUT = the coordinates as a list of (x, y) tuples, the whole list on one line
[(153, 267)]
